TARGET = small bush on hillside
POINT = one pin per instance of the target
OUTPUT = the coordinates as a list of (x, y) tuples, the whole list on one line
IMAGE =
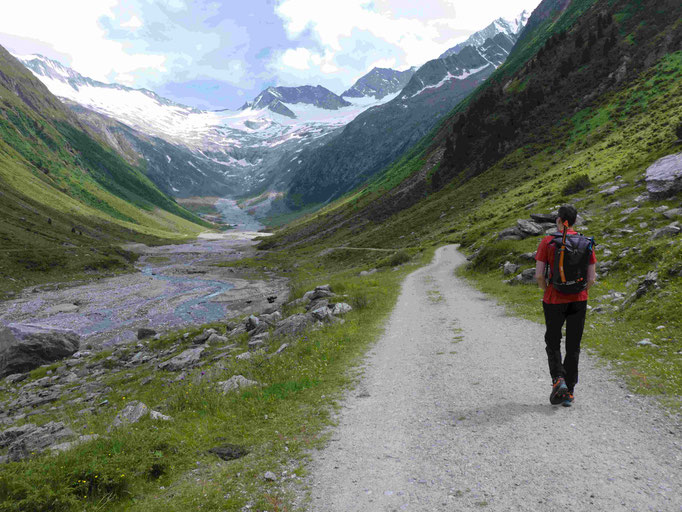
[(678, 131), (576, 184)]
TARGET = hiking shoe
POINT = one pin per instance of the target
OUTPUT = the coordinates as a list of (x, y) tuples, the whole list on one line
[(559, 391), (568, 401)]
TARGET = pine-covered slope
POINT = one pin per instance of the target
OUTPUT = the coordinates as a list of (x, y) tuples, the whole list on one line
[(64, 191)]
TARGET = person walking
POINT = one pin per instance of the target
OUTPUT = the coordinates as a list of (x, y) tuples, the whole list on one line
[(565, 270)]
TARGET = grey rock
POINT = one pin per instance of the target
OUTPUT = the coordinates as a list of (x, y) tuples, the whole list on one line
[(341, 308), (544, 217), (299, 302), (245, 356), (143, 333), (216, 339), (513, 233), (528, 227), (272, 318), (666, 231), (673, 213), (235, 383), (368, 272), (185, 359), (157, 416), (282, 348), (30, 439), (16, 377), (646, 343), (67, 446), (203, 337), (131, 413), (251, 323), (661, 209), (323, 314), (509, 268), (317, 304), (610, 191), (237, 331), (294, 324), (24, 347), (628, 211), (664, 177), (527, 256), (270, 476)]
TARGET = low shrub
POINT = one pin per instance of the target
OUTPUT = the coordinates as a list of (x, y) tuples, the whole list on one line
[(576, 184)]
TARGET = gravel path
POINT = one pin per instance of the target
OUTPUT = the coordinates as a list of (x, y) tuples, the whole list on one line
[(453, 414)]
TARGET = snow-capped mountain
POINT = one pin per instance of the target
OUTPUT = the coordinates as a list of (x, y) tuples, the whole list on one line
[(248, 144), (510, 27), (381, 135), (379, 82)]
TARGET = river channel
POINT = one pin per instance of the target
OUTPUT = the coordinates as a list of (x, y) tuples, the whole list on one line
[(176, 286)]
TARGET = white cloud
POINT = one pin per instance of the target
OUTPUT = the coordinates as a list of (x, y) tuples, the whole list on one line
[(417, 32), (133, 23), (73, 28)]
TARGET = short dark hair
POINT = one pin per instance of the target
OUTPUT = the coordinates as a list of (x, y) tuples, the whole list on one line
[(568, 213)]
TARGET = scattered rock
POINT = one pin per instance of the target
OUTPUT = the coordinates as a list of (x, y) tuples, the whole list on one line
[(513, 233), (67, 446), (270, 476), (341, 308), (229, 451), (368, 272), (661, 209), (62, 308), (664, 177), (294, 324), (529, 227), (24, 347), (646, 342), (509, 268), (666, 231), (156, 415), (131, 413), (281, 348), (203, 337), (143, 333), (610, 191), (236, 382), (16, 377), (245, 356), (323, 314), (272, 318), (527, 256), (30, 439), (185, 359), (251, 323), (673, 213), (216, 339), (544, 217)]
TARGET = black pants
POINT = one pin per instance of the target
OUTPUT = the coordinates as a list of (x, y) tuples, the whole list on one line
[(573, 313)]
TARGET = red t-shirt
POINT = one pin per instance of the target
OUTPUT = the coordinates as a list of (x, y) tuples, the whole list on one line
[(546, 255)]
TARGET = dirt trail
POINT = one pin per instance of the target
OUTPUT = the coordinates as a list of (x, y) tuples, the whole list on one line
[(453, 414)]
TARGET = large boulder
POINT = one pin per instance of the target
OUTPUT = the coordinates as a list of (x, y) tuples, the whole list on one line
[(235, 383), (513, 233), (529, 227), (24, 347), (664, 177), (544, 217), (185, 359), (294, 324)]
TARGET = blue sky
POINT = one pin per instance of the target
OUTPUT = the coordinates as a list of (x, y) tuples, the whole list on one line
[(213, 54)]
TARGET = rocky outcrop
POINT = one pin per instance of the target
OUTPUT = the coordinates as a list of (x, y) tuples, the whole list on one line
[(185, 359), (236, 382), (24, 347), (29, 439), (134, 412), (664, 177)]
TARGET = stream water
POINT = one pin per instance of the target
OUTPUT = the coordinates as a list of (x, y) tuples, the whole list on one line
[(176, 285)]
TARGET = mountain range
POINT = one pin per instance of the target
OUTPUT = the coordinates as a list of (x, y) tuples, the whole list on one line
[(270, 143)]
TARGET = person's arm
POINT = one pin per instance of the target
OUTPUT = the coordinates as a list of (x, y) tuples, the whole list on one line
[(540, 274), (591, 275)]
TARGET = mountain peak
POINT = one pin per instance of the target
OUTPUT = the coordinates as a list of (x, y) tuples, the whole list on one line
[(274, 98), (379, 82)]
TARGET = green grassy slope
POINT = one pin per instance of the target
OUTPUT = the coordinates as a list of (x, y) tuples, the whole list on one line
[(611, 114), (68, 199)]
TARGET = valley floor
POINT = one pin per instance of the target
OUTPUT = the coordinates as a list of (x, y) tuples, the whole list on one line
[(453, 414), (176, 286)]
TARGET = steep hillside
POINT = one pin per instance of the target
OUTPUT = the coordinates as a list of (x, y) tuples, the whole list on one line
[(66, 196), (610, 75), (378, 136)]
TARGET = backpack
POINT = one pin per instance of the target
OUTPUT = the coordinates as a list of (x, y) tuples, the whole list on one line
[(571, 258)]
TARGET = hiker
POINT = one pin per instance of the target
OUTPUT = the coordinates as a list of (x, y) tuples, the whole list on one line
[(565, 271)]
